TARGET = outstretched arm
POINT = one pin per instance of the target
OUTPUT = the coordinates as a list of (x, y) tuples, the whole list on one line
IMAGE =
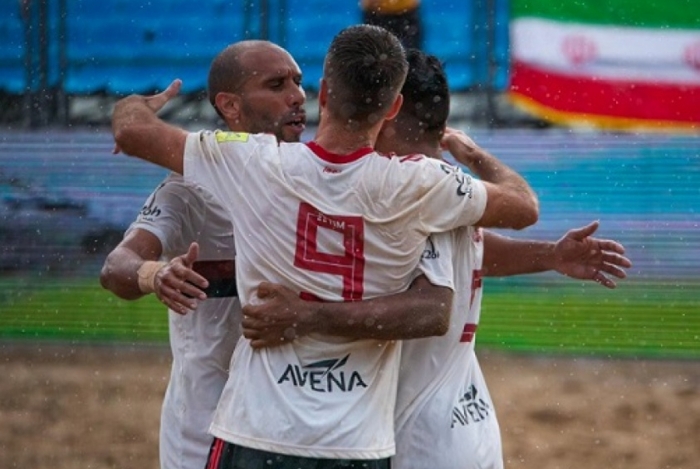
[(139, 132), (576, 255), (132, 270), (511, 203), (421, 311)]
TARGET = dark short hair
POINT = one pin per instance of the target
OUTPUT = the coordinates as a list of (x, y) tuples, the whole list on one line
[(364, 70), (426, 94)]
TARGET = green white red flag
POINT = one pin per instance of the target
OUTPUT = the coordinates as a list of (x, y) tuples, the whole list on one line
[(613, 64)]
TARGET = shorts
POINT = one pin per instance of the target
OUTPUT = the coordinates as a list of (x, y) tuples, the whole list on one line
[(225, 455)]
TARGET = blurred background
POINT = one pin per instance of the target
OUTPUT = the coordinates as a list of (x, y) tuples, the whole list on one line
[(597, 104)]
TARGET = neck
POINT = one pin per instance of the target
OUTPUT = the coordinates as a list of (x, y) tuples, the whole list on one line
[(431, 149), (342, 139)]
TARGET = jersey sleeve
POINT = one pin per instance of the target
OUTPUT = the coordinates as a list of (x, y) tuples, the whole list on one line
[(453, 198), (173, 213), (436, 262), (217, 160)]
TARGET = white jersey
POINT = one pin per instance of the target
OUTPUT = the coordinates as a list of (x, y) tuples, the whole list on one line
[(335, 228), (202, 341), (445, 417)]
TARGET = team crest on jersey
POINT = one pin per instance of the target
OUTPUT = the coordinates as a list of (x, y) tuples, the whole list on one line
[(470, 409), (323, 376), (223, 137)]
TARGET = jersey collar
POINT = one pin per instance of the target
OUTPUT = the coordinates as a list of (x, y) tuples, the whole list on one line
[(334, 157)]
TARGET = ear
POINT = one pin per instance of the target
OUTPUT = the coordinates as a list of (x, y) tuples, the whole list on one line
[(395, 107), (229, 105), (323, 93)]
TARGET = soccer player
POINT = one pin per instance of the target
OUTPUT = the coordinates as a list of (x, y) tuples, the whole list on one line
[(254, 86), (334, 221), (442, 393)]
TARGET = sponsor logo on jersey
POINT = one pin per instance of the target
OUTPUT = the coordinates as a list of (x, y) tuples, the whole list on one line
[(323, 376), (470, 409), (430, 252), (222, 137), (328, 169), (150, 210), (464, 181)]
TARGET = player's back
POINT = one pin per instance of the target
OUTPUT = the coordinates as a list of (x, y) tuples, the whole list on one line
[(448, 404), (334, 227), (336, 218), (202, 342)]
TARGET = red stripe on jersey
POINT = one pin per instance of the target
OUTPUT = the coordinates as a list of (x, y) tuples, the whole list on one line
[(306, 296), (468, 332), (336, 158), (215, 454), (414, 157), (476, 283)]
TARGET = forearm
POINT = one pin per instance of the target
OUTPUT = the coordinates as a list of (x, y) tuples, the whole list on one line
[(422, 311), (120, 273), (511, 202), (504, 256), (131, 121), (489, 168), (139, 132)]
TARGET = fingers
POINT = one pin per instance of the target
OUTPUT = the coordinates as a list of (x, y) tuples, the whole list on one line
[(581, 233), (264, 343), (187, 288), (157, 101), (613, 270), (192, 254), (265, 290), (252, 313), (264, 338), (607, 282), (261, 337), (173, 89), (180, 287), (609, 245), (173, 289), (176, 300), (181, 276), (616, 259)]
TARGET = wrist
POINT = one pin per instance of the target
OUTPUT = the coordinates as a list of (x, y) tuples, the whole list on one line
[(549, 257), (147, 275), (316, 319)]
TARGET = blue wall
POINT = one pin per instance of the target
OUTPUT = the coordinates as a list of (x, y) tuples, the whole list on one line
[(645, 190), (124, 46)]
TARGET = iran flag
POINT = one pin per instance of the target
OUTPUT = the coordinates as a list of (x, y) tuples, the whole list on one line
[(612, 64)]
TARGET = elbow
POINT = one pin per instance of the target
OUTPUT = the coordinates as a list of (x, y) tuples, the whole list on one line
[(105, 277), (123, 138), (528, 219), (110, 281), (441, 319), (528, 214), (435, 323), (442, 327)]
